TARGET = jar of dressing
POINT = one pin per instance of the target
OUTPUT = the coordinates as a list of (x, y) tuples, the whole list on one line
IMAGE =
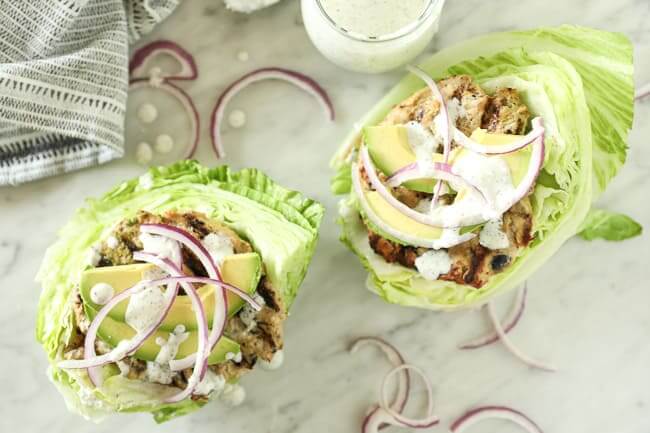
[(371, 35)]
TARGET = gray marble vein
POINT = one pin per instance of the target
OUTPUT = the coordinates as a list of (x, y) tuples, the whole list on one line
[(588, 306)]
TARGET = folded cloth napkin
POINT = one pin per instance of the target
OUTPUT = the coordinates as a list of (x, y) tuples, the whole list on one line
[(64, 80)]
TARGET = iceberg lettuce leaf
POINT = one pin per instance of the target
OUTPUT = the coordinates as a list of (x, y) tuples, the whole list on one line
[(282, 225)]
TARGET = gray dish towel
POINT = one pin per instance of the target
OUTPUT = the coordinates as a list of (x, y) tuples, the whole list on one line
[(64, 80)]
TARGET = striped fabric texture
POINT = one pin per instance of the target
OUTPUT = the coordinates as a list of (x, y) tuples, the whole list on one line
[(64, 81)]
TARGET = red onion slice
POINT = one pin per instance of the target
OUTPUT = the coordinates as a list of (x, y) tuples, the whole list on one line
[(379, 418), (396, 359), (446, 132), (298, 79), (477, 415), (642, 92), (511, 347), (143, 56), (510, 321), (420, 423), (534, 135), (406, 238), (197, 248), (186, 102), (438, 170)]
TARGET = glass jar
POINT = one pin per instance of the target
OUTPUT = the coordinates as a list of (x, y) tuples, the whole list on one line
[(343, 39)]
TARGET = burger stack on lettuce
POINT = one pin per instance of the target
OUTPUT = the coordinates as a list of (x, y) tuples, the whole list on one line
[(482, 162), (161, 294)]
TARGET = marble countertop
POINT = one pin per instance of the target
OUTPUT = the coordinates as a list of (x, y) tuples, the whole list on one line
[(588, 306)]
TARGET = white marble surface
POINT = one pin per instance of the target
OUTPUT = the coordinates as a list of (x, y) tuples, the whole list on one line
[(588, 309)]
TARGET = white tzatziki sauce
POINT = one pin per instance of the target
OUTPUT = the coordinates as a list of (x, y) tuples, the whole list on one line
[(144, 309), (432, 264), (219, 246), (492, 236), (101, 293), (422, 141), (161, 246)]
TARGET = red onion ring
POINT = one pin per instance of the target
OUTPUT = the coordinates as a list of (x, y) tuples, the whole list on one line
[(197, 248), (142, 57), (477, 415), (534, 135), (430, 419), (396, 359), (642, 92), (186, 102), (534, 167), (446, 132), (406, 238), (508, 323), (298, 79), (441, 171), (511, 347)]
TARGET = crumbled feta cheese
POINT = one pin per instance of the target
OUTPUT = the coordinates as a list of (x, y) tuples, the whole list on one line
[(147, 113), (164, 143), (237, 118), (219, 246), (102, 347), (112, 242), (248, 313), (124, 367), (275, 363), (233, 395), (248, 6), (235, 357), (433, 263), (212, 382), (93, 255), (143, 153), (492, 237)]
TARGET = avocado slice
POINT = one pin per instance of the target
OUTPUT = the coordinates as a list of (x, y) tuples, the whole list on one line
[(390, 150), (112, 332), (398, 220), (241, 270)]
